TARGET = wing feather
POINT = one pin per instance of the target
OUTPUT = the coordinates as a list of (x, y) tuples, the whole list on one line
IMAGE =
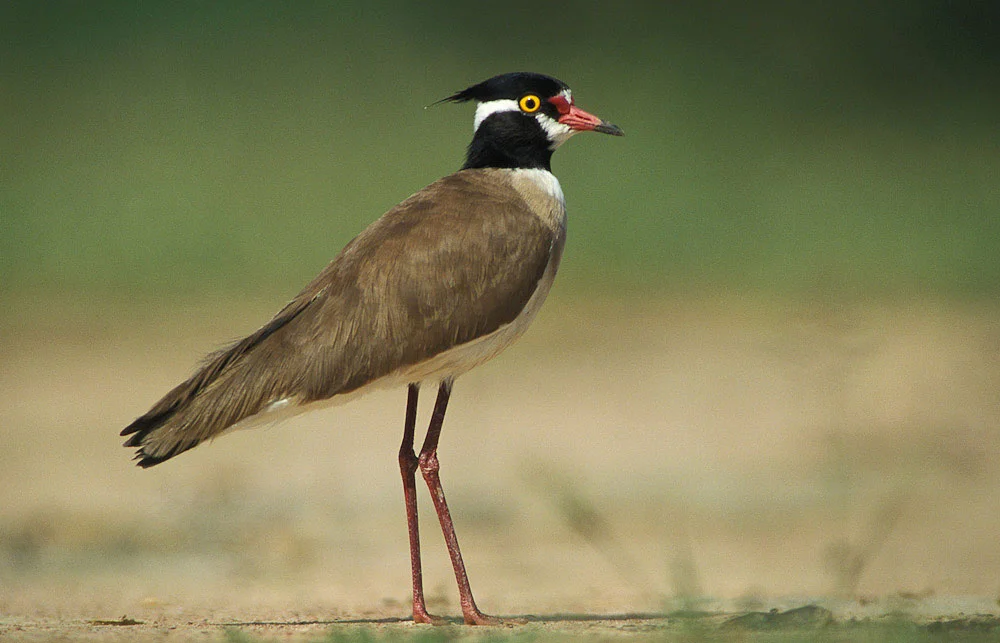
[(454, 262)]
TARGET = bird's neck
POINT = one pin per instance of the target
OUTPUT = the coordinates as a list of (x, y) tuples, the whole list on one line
[(509, 141)]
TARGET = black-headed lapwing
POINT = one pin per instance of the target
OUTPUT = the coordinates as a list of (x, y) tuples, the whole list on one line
[(439, 284)]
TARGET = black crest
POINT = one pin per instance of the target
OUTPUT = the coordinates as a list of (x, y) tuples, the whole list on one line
[(513, 85)]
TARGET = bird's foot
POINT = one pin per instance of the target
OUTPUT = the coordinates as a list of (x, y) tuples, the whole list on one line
[(422, 616), (475, 617)]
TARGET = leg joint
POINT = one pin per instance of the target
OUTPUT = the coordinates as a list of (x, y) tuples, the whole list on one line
[(429, 462), (408, 461)]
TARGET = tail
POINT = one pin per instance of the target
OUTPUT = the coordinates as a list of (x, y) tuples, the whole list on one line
[(150, 432), (233, 384)]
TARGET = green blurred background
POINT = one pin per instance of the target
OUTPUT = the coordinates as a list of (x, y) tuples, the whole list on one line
[(182, 149), (799, 398)]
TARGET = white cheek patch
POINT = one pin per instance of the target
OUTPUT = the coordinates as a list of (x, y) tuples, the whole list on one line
[(485, 110), (556, 132)]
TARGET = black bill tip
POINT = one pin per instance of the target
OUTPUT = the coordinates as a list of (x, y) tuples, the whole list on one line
[(609, 128)]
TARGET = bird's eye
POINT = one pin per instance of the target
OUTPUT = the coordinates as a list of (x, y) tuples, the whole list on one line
[(530, 103)]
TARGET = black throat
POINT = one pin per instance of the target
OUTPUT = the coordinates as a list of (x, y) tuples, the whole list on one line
[(509, 140)]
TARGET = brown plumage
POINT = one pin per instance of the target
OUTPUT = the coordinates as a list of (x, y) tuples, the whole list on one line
[(438, 285), (452, 263)]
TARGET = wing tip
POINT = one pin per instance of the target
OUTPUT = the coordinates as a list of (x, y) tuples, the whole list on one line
[(146, 461), (139, 432)]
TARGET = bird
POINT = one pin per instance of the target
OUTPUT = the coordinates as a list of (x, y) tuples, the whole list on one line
[(439, 284)]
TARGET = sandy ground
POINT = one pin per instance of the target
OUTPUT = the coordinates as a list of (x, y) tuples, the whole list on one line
[(621, 460)]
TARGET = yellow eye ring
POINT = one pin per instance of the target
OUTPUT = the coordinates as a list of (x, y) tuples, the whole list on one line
[(530, 103)]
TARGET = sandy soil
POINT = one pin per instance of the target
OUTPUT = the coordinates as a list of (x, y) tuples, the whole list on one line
[(621, 460)]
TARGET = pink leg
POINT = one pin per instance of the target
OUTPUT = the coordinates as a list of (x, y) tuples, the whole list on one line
[(429, 467), (408, 466)]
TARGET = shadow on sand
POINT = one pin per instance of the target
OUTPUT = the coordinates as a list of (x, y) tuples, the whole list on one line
[(515, 619)]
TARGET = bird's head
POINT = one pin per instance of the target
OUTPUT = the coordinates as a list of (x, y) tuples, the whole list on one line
[(522, 117)]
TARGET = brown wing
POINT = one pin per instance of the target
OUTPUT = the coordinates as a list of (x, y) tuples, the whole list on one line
[(454, 262)]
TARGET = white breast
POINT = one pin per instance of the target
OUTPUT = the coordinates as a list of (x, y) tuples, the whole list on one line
[(546, 182)]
